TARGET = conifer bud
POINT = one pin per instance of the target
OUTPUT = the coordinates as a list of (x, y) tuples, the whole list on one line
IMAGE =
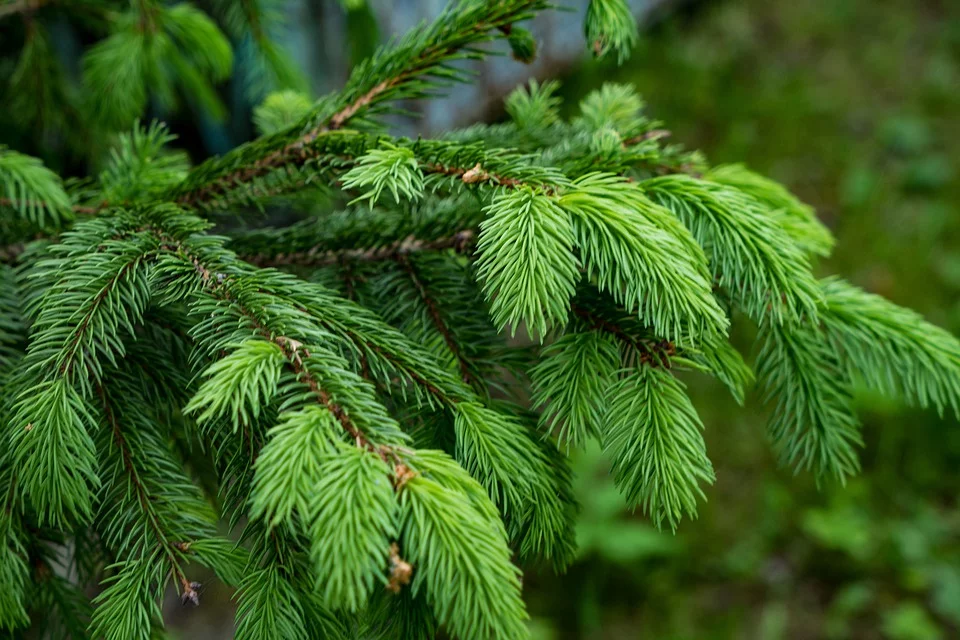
[(523, 45)]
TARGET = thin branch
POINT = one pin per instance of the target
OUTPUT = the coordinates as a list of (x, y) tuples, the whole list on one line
[(461, 242), (297, 152), (651, 353), (474, 175), (143, 497), (74, 343), (292, 350), (654, 134), (465, 373)]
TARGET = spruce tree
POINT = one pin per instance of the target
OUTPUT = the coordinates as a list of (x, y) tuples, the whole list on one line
[(360, 420)]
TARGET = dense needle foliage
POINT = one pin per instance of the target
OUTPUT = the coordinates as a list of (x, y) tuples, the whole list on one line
[(337, 416)]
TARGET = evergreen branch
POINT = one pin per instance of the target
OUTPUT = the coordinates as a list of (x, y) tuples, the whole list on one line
[(34, 192), (52, 452), (654, 435), (442, 163), (516, 462), (797, 219), (813, 423), (764, 269), (892, 349), (478, 423), (271, 608), (640, 254), (218, 285), (570, 385), (465, 371), (640, 347), (390, 74), (351, 547), (145, 502), (387, 167), (321, 420), (14, 569), (384, 344), (526, 262), (12, 326), (650, 353), (476, 174), (439, 507), (610, 27), (460, 242)]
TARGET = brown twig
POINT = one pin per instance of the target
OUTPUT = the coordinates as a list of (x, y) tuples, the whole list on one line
[(654, 134), (461, 241), (651, 353), (146, 502), (475, 174), (297, 151), (465, 373)]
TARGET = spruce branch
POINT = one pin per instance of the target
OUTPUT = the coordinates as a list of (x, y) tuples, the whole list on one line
[(762, 266), (813, 425), (654, 435), (460, 242), (650, 352), (33, 192), (149, 365), (480, 427), (218, 285), (892, 349), (171, 549), (410, 269), (403, 71), (570, 385)]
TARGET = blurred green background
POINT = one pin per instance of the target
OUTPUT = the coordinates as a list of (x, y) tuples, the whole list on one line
[(855, 105)]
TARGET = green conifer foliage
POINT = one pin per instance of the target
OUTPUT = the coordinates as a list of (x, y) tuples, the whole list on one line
[(335, 416)]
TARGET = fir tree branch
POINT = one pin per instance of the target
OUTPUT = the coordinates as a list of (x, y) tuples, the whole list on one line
[(476, 174), (655, 354), (169, 548), (421, 58), (461, 242), (466, 374), (217, 285)]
